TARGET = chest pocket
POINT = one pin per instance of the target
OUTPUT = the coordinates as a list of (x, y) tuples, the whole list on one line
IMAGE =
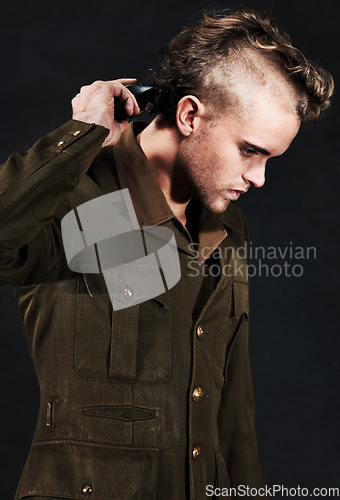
[(132, 344), (237, 314)]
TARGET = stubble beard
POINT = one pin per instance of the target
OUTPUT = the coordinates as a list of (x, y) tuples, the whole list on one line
[(198, 175)]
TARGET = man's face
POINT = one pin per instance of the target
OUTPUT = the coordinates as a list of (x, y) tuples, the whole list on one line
[(222, 158)]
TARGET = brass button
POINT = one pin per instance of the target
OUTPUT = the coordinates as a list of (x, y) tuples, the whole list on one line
[(77, 132), (197, 394), (199, 331), (60, 143), (196, 452), (86, 489), (128, 291)]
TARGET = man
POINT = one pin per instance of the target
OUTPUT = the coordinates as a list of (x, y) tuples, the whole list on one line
[(155, 400)]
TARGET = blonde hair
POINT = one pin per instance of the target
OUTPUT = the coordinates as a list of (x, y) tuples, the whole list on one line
[(197, 51)]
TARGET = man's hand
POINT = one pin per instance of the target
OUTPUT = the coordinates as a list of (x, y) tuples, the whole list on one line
[(95, 104)]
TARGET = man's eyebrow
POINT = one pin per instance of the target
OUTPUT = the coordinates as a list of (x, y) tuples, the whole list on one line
[(258, 149)]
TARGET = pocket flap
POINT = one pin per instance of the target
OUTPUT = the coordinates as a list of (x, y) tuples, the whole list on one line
[(72, 469)]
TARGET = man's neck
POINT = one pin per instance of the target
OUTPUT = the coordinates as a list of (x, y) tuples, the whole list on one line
[(160, 145)]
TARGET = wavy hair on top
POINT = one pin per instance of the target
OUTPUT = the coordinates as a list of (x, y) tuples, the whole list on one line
[(223, 36)]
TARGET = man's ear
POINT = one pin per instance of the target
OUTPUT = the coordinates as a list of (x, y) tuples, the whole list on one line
[(190, 111)]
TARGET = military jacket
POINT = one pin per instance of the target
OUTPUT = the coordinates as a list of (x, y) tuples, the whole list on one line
[(153, 401)]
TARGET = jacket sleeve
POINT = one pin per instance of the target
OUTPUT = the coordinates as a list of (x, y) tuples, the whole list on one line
[(32, 185)]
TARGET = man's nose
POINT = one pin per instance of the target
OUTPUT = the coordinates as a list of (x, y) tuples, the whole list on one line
[(255, 175)]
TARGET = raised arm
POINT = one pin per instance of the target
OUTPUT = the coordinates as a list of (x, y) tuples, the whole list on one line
[(33, 183)]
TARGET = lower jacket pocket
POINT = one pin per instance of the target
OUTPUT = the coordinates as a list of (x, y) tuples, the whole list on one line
[(76, 470)]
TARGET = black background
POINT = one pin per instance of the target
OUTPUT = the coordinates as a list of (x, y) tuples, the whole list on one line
[(48, 51)]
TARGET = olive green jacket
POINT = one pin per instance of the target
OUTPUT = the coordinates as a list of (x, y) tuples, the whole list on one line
[(154, 401)]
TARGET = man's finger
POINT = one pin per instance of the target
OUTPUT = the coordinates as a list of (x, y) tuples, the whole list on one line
[(129, 100)]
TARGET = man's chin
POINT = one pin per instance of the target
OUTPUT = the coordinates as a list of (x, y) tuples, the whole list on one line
[(217, 206)]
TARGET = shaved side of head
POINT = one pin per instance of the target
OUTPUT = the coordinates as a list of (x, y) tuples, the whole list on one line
[(246, 78)]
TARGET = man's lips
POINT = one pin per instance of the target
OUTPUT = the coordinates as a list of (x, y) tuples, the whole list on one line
[(234, 194)]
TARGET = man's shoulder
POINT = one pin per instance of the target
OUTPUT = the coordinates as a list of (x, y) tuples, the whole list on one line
[(100, 179)]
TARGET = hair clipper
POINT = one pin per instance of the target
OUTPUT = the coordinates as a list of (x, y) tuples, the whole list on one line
[(148, 99)]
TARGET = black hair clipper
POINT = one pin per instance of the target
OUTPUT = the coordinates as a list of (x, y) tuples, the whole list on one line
[(148, 99)]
